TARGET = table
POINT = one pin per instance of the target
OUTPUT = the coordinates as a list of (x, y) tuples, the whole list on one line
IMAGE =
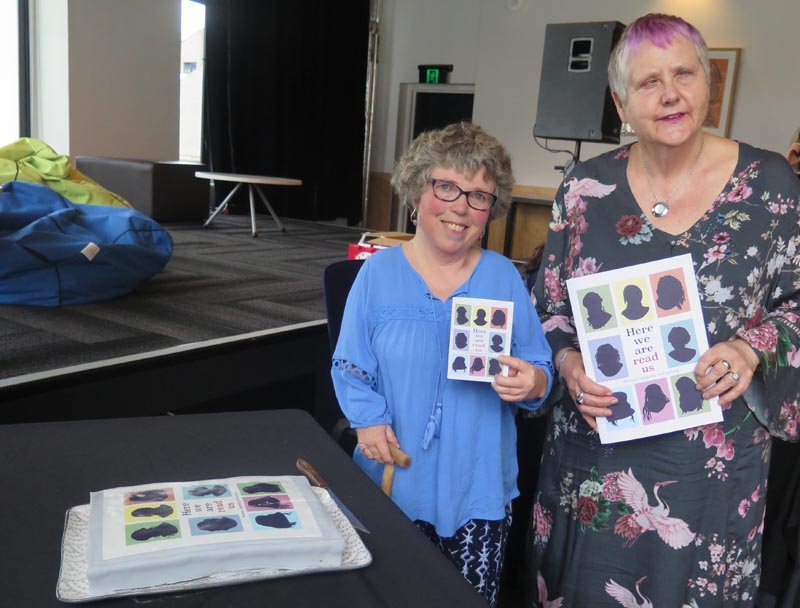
[(253, 183), (46, 468)]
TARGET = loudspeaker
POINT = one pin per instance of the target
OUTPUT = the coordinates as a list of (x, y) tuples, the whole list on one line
[(574, 97)]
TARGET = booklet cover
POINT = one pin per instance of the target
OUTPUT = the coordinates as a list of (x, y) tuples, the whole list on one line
[(641, 333), (480, 330)]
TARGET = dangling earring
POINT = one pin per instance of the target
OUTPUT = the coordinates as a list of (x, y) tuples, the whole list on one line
[(626, 129), (414, 214)]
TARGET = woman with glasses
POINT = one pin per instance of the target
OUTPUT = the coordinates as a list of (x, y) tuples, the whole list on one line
[(390, 364)]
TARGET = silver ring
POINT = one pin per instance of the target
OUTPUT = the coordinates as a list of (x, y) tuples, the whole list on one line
[(734, 376), (726, 364), (579, 397)]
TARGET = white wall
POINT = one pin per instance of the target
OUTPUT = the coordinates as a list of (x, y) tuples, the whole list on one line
[(498, 44), (109, 80)]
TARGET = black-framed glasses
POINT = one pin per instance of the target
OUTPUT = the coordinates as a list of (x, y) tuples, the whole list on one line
[(449, 192)]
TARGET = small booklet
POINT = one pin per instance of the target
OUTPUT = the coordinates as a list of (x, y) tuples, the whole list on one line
[(480, 330), (641, 332)]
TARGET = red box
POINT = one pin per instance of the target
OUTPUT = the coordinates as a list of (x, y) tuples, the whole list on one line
[(370, 242)]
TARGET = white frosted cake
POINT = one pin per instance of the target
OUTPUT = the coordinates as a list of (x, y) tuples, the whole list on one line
[(162, 533)]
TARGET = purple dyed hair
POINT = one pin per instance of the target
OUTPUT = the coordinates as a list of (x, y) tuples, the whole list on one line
[(660, 30)]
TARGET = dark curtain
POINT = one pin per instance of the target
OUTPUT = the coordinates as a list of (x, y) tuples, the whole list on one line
[(285, 85)]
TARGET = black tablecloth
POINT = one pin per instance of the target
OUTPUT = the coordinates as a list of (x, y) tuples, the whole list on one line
[(48, 468)]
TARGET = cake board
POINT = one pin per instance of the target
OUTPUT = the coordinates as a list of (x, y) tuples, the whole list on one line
[(73, 582)]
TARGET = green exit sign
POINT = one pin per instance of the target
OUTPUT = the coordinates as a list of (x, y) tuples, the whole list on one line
[(434, 74)]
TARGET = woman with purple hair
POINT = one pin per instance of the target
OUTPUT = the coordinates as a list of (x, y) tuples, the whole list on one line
[(676, 519)]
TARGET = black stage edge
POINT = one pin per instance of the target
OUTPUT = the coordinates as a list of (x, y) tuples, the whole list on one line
[(263, 370)]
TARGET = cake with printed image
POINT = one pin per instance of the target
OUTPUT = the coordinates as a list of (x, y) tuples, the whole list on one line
[(165, 533)]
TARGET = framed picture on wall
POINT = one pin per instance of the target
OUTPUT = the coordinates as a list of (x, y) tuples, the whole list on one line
[(724, 67)]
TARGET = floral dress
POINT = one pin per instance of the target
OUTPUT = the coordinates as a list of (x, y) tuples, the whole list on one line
[(673, 520)]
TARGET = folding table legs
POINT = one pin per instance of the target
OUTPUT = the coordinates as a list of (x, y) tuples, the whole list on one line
[(251, 187), (223, 205)]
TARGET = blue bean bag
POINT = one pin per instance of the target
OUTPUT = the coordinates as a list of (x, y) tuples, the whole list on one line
[(53, 252)]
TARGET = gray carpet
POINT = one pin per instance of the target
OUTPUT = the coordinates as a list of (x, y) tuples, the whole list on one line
[(221, 282)]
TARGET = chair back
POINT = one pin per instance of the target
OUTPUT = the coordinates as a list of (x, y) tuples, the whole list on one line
[(336, 282)]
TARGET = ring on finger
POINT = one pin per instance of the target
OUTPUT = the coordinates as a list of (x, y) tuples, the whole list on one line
[(579, 397), (726, 364), (734, 376)]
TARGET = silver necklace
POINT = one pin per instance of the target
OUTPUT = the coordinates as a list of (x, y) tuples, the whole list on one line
[(661, 208)]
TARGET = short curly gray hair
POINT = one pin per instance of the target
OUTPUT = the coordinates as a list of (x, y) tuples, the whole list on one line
[(463, 146)]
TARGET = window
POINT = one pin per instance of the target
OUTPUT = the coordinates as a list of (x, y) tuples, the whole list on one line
[(193, 27), (10, 126)]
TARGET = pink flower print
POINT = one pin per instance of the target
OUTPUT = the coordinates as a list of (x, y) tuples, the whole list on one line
[(543, 520), (552, 282), (611, 491), (716, 551), (726, 450), (755, 320), (558, 322), (756, 495), (740, 192), (794, 357), (752, 534), (712, 588), (629, 225), (744, 507), (713, 435), (763, 337), (586, 266), (721, 238), (716, 253), (587, 509)]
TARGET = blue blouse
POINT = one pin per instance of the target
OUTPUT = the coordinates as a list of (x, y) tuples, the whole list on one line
[(390, 367)]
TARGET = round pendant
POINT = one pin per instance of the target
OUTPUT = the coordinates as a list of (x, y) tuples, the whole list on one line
[(660, 209)]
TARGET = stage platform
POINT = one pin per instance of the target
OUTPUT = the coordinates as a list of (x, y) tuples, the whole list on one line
[(223, 292)]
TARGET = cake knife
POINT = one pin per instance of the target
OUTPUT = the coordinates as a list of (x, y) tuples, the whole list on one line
[(315, 479)]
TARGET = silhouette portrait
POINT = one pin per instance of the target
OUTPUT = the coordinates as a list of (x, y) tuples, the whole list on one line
[(461, 315), (459, 364), (596, 315), (621, 410), (270, 502), (494, 367), (499, 318), (679, 337), (654, 401), (262, 488), (274, 520), (634, 309), (148, 496), (164, 529), (215, 490), (461, 340), (689, 398), (477, 366), (161, 511), (480, 317), (497, 343), (608, 361), (217, 524), (669, 293)]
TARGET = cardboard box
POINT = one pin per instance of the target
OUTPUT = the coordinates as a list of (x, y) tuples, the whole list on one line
[(370, 242)]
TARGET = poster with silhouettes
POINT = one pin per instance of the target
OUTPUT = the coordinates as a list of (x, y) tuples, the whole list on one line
[(641, 333), (480, 331)]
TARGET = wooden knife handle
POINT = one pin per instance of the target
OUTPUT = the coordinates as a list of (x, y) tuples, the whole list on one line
[(388, 479), (314, 478), (400, 457)]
